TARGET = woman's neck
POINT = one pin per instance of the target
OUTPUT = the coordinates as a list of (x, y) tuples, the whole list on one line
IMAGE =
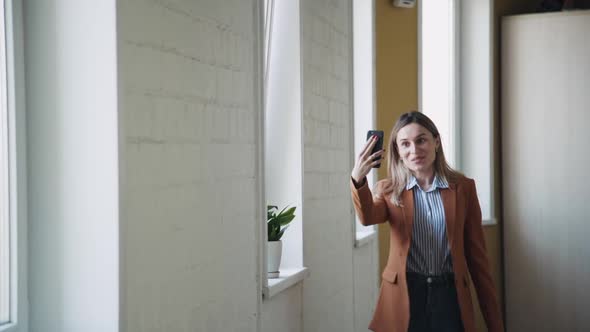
[(425, 179)]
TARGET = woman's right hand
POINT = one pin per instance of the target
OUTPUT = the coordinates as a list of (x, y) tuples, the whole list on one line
[(366, 161)]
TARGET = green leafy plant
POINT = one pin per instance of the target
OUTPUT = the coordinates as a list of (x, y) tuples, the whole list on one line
[(278, 222)]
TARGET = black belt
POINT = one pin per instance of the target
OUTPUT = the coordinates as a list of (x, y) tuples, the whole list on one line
[(445, 279)]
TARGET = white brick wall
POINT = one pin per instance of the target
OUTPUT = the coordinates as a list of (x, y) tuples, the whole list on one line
[(189, 184), (188, 178), (366, 263), (189, 255), (328, 227), (283, 312)]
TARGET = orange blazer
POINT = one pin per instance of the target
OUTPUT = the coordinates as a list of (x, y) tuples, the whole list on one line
[(468, 252)]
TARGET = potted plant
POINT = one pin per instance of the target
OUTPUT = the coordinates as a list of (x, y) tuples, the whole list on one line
[(277, 223)]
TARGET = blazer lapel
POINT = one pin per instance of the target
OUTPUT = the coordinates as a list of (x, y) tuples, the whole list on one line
[(408, 210), (449, 198)]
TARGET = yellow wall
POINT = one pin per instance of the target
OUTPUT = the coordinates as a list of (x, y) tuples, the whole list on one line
[(397, 92), (396, 35)]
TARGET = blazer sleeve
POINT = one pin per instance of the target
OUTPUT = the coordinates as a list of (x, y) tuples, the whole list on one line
[(371, 210), (479, 267)]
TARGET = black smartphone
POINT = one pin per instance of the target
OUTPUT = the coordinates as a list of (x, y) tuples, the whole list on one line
[(379, 145)]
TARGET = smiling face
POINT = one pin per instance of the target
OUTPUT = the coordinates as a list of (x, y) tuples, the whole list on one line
[(417, 148)]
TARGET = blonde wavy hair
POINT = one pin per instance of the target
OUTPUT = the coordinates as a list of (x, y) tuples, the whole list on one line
[(398, 174)]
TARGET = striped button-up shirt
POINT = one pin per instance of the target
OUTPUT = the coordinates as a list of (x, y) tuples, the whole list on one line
[(429, 250)]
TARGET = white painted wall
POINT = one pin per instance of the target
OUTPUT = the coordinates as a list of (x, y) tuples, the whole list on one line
[(73, 179), (545, 170), (190, 220)]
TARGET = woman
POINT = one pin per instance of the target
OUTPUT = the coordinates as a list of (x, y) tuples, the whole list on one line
[(436, 238)]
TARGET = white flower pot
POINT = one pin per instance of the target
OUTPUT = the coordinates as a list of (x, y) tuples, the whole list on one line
[(274, 250)]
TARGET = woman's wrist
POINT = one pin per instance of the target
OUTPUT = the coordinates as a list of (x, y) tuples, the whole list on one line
[(360, 183)]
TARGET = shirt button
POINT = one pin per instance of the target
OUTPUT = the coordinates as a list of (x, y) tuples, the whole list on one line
[(429, 280)]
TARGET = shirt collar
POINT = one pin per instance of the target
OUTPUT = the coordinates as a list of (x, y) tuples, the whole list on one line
[(412, 182), (439, 182)]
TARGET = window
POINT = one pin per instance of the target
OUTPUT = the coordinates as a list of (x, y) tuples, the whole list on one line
[(283, 141), (438, 81), (476, 100), (455, 86), (13, 286), (5, 238), (364, 93)]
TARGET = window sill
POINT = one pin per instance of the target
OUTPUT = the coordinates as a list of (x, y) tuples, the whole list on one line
[(286, 279), (489, 222), (6, 327), (364, 237)]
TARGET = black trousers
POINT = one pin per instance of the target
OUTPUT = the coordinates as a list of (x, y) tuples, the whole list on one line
[(433, 303)]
